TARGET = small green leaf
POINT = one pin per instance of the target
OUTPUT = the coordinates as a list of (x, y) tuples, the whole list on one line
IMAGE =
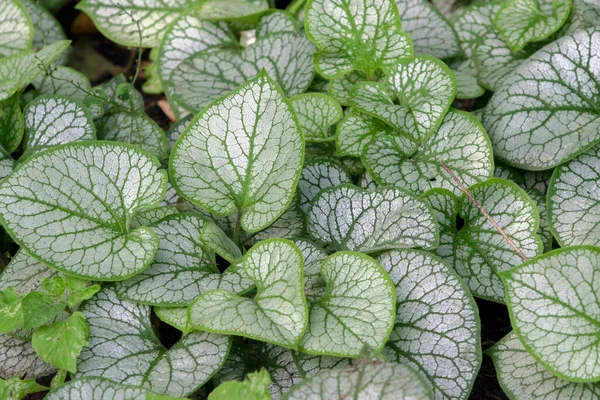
[(318, 175), (134, 128), (50, 121), (248, 356), (522, 377), (102, 389), (355, 35), (277, 314), (142, 360), (208, 75), (249, 162), (460, 143), (538, 129), (213, 238), (254, 387), (551, 300), (429, 31), (437, 328), (182, 268), (79, 290), (316, 113), (358, 307), (523, 21), (339, 88), (10, 310), (472, 245), (60, 343), (20, 69), (40, 308), (17, 389), (365, 380), (16, 28), (573, 194), (12, 124), (356, 130), (81, 225), (349, 218)]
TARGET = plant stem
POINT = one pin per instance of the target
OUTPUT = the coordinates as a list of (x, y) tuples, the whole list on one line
[(295, 6), (484, 212), (236, 232)]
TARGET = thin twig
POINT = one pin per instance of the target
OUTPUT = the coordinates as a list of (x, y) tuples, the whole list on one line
[(483, 211)]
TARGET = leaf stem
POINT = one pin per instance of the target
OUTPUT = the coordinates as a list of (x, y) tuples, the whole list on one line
[(484, 212), (236, 231), (295, 6)]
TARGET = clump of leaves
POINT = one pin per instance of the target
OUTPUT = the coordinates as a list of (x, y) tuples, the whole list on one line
[(319, 219)]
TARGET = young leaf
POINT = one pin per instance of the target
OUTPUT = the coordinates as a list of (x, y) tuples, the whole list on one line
[(254, 387), (429, 31), (20, 69), (213, 238), (177, 317), (141, 359), (182, 268), (277, 314), (349, 218), (12, 124), (60, 343), (40, 308), (316, 113), (17, 389), (537, 129), (101, 389), (423, 87), (367, 379), (355, 131), (339, 88), (460, 143), (11, 312), (355, 35), (573, 208), (249, 162), (50, 121), (25, 274), (134, 128), (523, 21), (437, 324), (207, 75), (68, 212), (357, 308), (472, 245), (79, 291), (16, 28), (522, 377), (249, 356), (63, 81), (553, 311), (46, 28), (318, 175)]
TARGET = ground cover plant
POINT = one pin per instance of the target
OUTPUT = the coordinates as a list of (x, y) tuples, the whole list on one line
[(315, 199)]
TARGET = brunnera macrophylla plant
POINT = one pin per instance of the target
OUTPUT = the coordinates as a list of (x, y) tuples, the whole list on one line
[(320, 218)]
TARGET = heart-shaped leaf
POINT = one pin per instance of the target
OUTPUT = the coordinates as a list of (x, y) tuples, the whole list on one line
[(134, 128), (249, 356), (358, 307), (25, 274), (182, 268), (537, 129), (553, 311), (51, 121), (472, 245), (316, 112), (355, 35), (573, 208), (522, 377), (367, 379), (102, 389), (16, 28), (429, 31), (437, 324), (20, 69), (318, 175), (141, 360), (69, 213), (418, 94), (523, 21), (249, 162), (349, 218), (460, 143), (207, 75), (277, 314)]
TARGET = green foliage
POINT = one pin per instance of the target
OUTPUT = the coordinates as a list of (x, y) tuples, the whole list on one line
[(343, 177)]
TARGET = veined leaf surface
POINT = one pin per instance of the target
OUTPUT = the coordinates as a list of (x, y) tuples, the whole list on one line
[(16, 28), (97, 388)]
